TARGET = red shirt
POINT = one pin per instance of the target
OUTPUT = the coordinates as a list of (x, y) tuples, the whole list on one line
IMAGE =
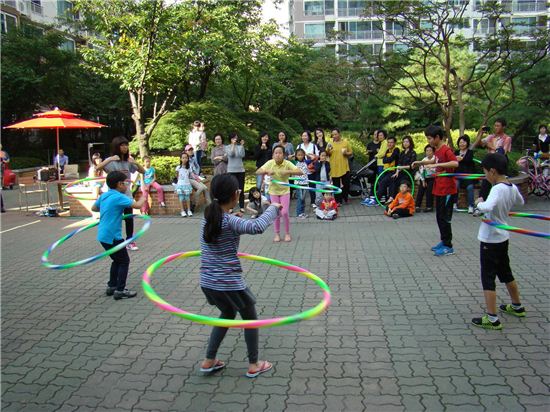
[(444, 186)]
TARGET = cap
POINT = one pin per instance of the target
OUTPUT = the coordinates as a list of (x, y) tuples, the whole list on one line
[(188, 147)]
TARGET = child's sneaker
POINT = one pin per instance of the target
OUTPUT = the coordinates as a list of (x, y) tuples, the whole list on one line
[(314, 206), (132, 246), (513, 311), (124, 294), (189, 213), (162, 204), (444, 251), (438, 246), (470, 209), (395, 216), (183, 213), (485, 323), (476, 213)]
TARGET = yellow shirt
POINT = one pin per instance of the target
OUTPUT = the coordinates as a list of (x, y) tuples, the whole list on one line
[(339, 164), (272, 166), (382, 152)]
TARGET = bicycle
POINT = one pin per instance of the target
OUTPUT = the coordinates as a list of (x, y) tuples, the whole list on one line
[(538, 172)]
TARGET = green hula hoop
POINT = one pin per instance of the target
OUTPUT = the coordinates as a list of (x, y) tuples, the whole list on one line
[(387, 170), (331, 188), (76, 182), (46, 255)]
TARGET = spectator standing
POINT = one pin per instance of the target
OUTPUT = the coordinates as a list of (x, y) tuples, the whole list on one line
[(320, 140), (218, 155), (312, 155), (262, 154), (339, 151), (542, 142), (60, 160), (466, 164), (235, 155), (286, 145), (197, 181), (194, 138)]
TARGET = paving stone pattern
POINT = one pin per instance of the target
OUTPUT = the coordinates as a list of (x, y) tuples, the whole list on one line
[(396, 337)]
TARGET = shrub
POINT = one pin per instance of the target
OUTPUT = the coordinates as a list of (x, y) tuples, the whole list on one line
[(165, 168), (173, 129), (25, 162)]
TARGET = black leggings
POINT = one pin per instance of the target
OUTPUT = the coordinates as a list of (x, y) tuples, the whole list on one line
[(129, 222), (240, 179), (343, 182), (425, 190), (251, 336)]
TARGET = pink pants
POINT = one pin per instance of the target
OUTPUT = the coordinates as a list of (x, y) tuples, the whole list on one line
[(285, 201), (145, 192)]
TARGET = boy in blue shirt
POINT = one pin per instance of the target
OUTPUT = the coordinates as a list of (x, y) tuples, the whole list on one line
[(111, 206)]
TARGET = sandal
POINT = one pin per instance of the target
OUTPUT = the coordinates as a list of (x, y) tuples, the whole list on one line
[(277, 238), (287, 238), (264, 367), (217, 365)]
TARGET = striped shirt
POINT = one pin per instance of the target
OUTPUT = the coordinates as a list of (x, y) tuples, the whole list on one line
[(220, 266)]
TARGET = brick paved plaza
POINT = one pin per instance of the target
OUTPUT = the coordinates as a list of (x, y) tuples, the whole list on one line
[(396, 337)]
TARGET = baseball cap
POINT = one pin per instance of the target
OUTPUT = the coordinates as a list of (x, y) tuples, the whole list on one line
[(188, 147)]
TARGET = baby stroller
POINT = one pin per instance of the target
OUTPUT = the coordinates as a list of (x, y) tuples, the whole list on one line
[(359, 179)]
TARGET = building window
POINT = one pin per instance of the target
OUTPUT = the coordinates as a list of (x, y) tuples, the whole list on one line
[(314, 31), (522, 25), (313, 7), (528, 5), (352, 8), (362, 30), (68, 45), (395, 28), (65, 10), (329, 7), (36, 7), (8, 22), (484, 26)]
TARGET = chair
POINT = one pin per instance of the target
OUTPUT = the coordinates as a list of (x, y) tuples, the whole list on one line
[(29, 188), (71, 172)]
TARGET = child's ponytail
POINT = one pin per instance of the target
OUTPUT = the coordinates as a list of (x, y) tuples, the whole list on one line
[(222, 189)]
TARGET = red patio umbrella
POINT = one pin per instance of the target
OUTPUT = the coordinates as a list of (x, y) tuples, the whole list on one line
[(55, 119)]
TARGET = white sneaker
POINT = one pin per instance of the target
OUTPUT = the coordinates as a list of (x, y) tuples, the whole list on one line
[(470, 209), (189, 213), (314, 206), (183, 213), (455, 207), (162, 204)]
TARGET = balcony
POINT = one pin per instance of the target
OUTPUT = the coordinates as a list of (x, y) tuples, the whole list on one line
[(531, 6), (364, 35), (36, 8)]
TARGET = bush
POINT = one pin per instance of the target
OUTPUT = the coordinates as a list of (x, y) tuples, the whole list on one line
[(165, 168), (25, 162), (173, 129)]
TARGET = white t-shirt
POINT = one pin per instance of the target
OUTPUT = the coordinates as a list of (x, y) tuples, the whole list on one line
[(501, 199), (194, 139)]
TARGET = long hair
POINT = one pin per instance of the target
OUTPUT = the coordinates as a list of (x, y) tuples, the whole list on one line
[(188, 160), (411, 142), (115, 147), (252, 199), (222, 189), (322, 137)]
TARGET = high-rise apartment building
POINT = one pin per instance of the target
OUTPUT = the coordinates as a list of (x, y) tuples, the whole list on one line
[(37, 14), (315, 19)]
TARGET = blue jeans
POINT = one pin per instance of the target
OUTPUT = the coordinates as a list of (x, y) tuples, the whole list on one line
[(259, 180), (300, 201), (469, 190)]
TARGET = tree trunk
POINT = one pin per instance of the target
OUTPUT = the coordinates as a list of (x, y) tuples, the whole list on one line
[(137, 110), (460, 104)]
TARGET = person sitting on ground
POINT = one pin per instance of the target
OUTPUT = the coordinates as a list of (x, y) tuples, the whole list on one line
[(402, 205), (328, 208), (257, 204)]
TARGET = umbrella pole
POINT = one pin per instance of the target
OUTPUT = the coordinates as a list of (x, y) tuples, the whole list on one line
[(57, 154)]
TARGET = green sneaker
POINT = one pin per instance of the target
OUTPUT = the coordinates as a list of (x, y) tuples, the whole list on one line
[(510, 309), (485, 323)]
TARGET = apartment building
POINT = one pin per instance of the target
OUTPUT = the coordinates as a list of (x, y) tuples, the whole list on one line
[(315, 20), (35, 15)]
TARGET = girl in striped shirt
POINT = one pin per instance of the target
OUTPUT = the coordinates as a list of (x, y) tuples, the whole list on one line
[(221, 273)]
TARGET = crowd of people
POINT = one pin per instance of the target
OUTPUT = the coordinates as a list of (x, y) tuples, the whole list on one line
[(285, 172)]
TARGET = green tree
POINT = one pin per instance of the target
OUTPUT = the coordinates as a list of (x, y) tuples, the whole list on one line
[(162, 52)]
